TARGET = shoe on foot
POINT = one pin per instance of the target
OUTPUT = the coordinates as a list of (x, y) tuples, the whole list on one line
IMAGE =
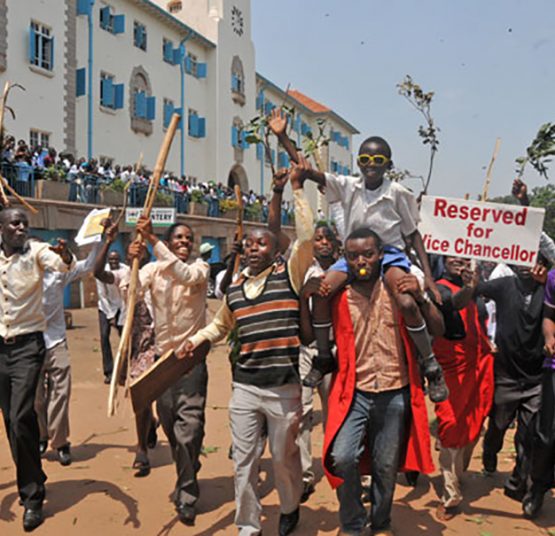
[(32, 518), (412, 478), (107, 379), (142, 465), (43, 446), (437, 388), (446, 513), (516, 494), (532, 504), (186, 514), (308, 490), (64, 455), (288, 522)]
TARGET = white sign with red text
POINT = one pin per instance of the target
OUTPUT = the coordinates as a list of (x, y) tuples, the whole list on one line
[(486, 231)]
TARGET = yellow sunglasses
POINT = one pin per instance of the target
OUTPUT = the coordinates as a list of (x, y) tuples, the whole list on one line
[(373, 159)]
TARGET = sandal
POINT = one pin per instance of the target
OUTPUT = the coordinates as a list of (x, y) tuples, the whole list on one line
[(141, 464)]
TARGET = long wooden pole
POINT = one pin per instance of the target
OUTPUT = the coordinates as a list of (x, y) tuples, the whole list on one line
[(239, 197), (125, 341), (487, 182)]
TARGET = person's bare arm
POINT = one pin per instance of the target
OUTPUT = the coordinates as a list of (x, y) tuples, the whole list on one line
[(315, 285), (415, 240), (274, 209), (111, 231), (278, 125), (470, 280), (432, 315)]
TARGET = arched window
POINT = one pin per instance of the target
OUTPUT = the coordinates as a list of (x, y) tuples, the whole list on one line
[(140, 101), (237, 81)]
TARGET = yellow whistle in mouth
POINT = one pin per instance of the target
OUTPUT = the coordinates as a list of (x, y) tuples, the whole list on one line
[(362, 271)]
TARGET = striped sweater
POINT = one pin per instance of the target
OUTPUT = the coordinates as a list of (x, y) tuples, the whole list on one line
[(268, 330)]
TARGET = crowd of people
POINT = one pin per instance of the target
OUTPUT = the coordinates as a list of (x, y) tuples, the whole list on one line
[(358, 312), (20, 163)]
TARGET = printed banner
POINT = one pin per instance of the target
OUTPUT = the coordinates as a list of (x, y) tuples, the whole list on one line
[(486, 231), (161, 217)]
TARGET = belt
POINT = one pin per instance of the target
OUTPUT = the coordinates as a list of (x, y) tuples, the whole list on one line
[(10, 341)]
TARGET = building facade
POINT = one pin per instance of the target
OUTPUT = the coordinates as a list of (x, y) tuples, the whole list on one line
[(102, 78)]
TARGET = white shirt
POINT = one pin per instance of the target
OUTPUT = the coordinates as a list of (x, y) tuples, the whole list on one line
[(390, 210), (53, 286), (110, 301)]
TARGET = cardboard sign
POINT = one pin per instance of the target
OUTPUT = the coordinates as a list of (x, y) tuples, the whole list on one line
[(92, 229), (161, 217), (486, 231)]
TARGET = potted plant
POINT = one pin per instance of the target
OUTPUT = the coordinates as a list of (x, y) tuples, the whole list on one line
[(229, 208), (253, 212), (198, 206), (112, 194), (51, 186)]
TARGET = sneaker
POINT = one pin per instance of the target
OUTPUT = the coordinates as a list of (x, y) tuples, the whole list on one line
[(107, 379), (532, 504), (288, 522), (437, 388), (32, 518), (64, 455), (186, 514)]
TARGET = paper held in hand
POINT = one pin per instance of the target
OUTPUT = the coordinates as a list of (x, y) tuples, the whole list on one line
[(91, 230), (494, 232)]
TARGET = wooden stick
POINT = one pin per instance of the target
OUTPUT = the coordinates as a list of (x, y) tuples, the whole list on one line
[(239, 197), (487, 182), (5, 184), (125, 340)]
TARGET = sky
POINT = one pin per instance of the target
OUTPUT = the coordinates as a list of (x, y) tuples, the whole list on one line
[(490, 64)]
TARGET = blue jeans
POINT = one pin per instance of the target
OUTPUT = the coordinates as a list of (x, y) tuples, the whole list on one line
[(379, 421)]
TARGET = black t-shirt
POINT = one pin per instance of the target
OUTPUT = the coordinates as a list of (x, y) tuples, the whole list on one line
[(518, 335)]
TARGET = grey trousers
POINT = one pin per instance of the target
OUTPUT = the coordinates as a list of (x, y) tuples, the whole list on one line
[(52, 398), (181, 412), (307, 420), (280, 408)]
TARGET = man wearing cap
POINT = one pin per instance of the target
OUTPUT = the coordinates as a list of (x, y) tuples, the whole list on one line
[(205, 251), (22, 349)]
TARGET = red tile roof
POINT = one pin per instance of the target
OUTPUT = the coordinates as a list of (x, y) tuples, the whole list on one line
[(309, 103)]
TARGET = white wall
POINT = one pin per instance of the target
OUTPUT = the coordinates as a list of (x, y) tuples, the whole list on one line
[(41, 106)]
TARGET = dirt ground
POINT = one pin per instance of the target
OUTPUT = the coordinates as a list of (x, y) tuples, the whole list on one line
[(98, 494)]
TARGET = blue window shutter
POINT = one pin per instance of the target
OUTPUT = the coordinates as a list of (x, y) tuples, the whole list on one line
[(166, 114), (83, 7), (32, 47), (168, 52), (107, 92), (177, 55), (151, 108), (188, 65), (193, 125), (244, 142), (81, 82), (234, 136), (201, 127), (105, 17), (234, 82), (268, 108), (140, 104), (201, 70), (118, 96), (119, 24)]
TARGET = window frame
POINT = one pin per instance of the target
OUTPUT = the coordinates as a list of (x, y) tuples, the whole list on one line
[(136, 26), (43, 41)]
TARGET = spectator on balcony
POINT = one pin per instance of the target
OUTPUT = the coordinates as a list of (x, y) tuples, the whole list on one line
[(8, 151)]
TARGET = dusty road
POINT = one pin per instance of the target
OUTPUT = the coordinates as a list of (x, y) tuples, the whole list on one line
[(98, 495)]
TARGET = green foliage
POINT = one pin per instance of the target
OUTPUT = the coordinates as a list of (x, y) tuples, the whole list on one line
[(228, 204), (163, 199), (539, 151), (117, 185), (197, 197), (253, 212), (422, 102)]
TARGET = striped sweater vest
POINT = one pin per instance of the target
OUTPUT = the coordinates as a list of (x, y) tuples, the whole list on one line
[(268, 331)]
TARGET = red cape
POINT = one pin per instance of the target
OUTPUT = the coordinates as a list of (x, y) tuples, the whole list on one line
[(417, 456), (468, 368)]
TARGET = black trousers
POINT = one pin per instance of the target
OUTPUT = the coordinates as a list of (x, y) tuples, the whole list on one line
[(181, 412), (20, 366), (543, 453), (511, 401), (105, 346)]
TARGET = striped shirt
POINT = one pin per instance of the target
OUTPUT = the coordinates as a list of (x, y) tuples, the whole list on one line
[(268, 331)]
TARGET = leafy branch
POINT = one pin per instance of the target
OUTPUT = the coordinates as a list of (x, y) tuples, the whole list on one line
[(539, 151), (398, 175), (422, 101)]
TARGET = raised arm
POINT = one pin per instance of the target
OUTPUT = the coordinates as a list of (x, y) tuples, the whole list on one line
[(278, 125), (274, 212), (110, 234)]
